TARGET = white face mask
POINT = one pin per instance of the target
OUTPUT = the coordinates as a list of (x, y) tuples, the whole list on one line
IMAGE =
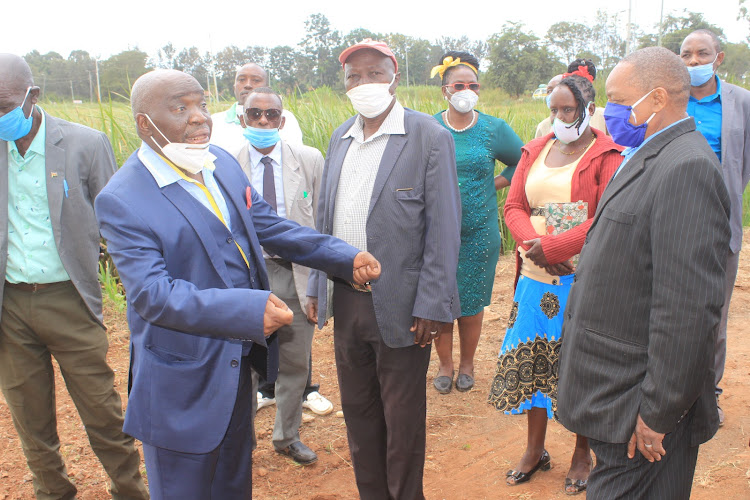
[(189, 157), (464, 100), (567, 132), (371, 99)]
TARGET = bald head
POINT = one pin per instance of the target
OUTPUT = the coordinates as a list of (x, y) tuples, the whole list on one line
[(15, 72), (156, 86), (659, 67)]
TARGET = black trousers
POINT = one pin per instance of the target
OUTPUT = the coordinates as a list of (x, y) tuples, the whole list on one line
[(618, 477), (383, 395)]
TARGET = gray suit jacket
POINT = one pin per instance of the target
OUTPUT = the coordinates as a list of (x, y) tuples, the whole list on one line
[(735, 152), (84, 158), (413, 226), (301, 174), (639, 329)]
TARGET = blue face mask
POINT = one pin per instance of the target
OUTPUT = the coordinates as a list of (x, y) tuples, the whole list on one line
[(624, 133), (549, 100), (261, 138), (14, 124), (701, 74)]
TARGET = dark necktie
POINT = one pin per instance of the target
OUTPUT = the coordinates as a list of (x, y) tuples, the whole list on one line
[(269, 186)]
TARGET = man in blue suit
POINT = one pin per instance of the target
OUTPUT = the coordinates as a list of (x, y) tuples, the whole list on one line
[(184, 228)]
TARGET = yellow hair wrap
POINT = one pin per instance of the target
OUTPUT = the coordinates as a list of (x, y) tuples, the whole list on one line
[(449, 62)]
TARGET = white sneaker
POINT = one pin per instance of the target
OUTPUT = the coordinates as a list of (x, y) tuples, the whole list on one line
[(264, 401), (317, 404)]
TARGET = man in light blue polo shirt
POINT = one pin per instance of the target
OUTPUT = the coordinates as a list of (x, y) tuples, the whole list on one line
[(50, 297), (721, 113)]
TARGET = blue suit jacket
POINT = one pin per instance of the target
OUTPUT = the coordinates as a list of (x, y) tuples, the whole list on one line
[(187, 322)]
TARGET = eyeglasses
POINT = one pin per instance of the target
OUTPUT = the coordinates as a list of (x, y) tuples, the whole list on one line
[(458, 86), (272, 114)]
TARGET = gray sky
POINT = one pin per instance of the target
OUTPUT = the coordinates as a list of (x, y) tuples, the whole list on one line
[(106, 27)]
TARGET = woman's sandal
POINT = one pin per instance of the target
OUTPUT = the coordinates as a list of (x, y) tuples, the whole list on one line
[(544, 464), (578, 485)]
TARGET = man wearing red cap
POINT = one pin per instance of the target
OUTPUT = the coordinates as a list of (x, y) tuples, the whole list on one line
[(390, 186)]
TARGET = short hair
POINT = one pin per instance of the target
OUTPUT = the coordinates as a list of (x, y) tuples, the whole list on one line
[(458, 54), (266, 90), (660, 67), (16, 71), (590, 66), (583, 92), (714, 37)]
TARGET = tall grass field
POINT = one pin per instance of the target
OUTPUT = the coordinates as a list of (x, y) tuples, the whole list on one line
[(320, 111)]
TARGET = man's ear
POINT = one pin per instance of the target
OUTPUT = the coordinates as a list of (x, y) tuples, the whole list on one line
[(34, 94), (396, 81), (660, 98), (143, 125), (283, 121)]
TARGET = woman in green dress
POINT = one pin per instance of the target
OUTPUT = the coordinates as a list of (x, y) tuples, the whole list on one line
[(480, 141)]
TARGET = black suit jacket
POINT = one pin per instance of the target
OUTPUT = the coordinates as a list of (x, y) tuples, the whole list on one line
[(639, 328)]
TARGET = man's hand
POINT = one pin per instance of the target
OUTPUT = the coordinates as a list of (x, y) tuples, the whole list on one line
[(311, 311), (425, 330), (277, 315), (366, 268), (560, 269), (649, 442), (535, 252)]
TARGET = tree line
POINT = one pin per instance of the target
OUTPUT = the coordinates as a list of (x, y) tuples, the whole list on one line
[(513, 59)]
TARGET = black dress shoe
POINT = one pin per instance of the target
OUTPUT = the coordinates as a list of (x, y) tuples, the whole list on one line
[(522, 477), (300, 453)]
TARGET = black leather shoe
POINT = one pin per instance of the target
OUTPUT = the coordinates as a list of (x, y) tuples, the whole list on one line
[(514, 477), (300, 453)]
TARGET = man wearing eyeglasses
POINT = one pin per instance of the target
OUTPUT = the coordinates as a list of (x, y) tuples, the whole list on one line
[(228, 127), (288, 177)]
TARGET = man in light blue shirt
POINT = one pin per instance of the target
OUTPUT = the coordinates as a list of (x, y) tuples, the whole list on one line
[(720, 110), (50, 295)]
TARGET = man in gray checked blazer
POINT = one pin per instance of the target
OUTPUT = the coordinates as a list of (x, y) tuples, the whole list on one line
[(636, 368), (389, 184), (51, 298)]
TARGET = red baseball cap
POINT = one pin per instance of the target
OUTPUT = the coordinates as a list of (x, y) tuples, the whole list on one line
[(368, 43)]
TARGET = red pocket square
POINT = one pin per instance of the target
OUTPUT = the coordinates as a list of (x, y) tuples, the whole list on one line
[(249, 197)]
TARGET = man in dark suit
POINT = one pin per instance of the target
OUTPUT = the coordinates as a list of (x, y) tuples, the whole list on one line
[(390, 185), (721, 113), (50, 294), (636, 367), (184, 228)]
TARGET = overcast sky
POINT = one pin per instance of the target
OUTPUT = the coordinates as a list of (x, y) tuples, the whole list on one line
[(106, 27)]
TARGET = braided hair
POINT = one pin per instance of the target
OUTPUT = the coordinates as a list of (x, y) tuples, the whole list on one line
[(590, 66), (583, 92), (457, 54)]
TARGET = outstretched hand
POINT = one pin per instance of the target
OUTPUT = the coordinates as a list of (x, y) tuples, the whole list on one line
[(366, 268)]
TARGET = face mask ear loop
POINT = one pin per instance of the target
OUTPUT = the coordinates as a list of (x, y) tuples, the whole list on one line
[(632, 108), (28, 91), (157, 129)]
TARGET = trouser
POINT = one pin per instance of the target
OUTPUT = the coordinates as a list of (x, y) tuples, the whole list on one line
[(268, 389), (54, 321), (295, 346), (720, 345), (223, 474), (618, 477), (383, 395)]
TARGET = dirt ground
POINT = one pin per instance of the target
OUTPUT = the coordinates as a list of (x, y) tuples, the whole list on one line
[(470, 445)]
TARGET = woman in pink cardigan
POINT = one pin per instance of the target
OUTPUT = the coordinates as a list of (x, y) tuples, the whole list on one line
[(550, 206)]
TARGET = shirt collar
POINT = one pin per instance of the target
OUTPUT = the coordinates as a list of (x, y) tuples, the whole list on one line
[(256, 156), (392, 125), (164, 174), (231, 115), (38, 143), (713, 97), (629, 152)]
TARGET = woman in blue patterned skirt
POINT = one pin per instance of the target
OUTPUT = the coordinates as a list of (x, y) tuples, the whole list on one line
[(480, 141)]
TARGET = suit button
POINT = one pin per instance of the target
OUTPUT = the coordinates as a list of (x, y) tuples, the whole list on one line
[(570, 315), (229, 239), (235, 363), (575, 279), (554, 282)]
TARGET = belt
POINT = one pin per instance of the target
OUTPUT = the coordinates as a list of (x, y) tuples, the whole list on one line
[(32, 287), (279, 261), (366, 288)]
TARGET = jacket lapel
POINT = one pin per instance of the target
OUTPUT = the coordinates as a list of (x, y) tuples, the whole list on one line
[(56, 174), (235, 193), (290, 177), (392, 151), (727, 103), (185, 203)]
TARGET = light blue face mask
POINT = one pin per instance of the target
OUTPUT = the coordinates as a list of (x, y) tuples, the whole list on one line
[(549, 100), (14, 124), (701, 74), (261, 138)]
